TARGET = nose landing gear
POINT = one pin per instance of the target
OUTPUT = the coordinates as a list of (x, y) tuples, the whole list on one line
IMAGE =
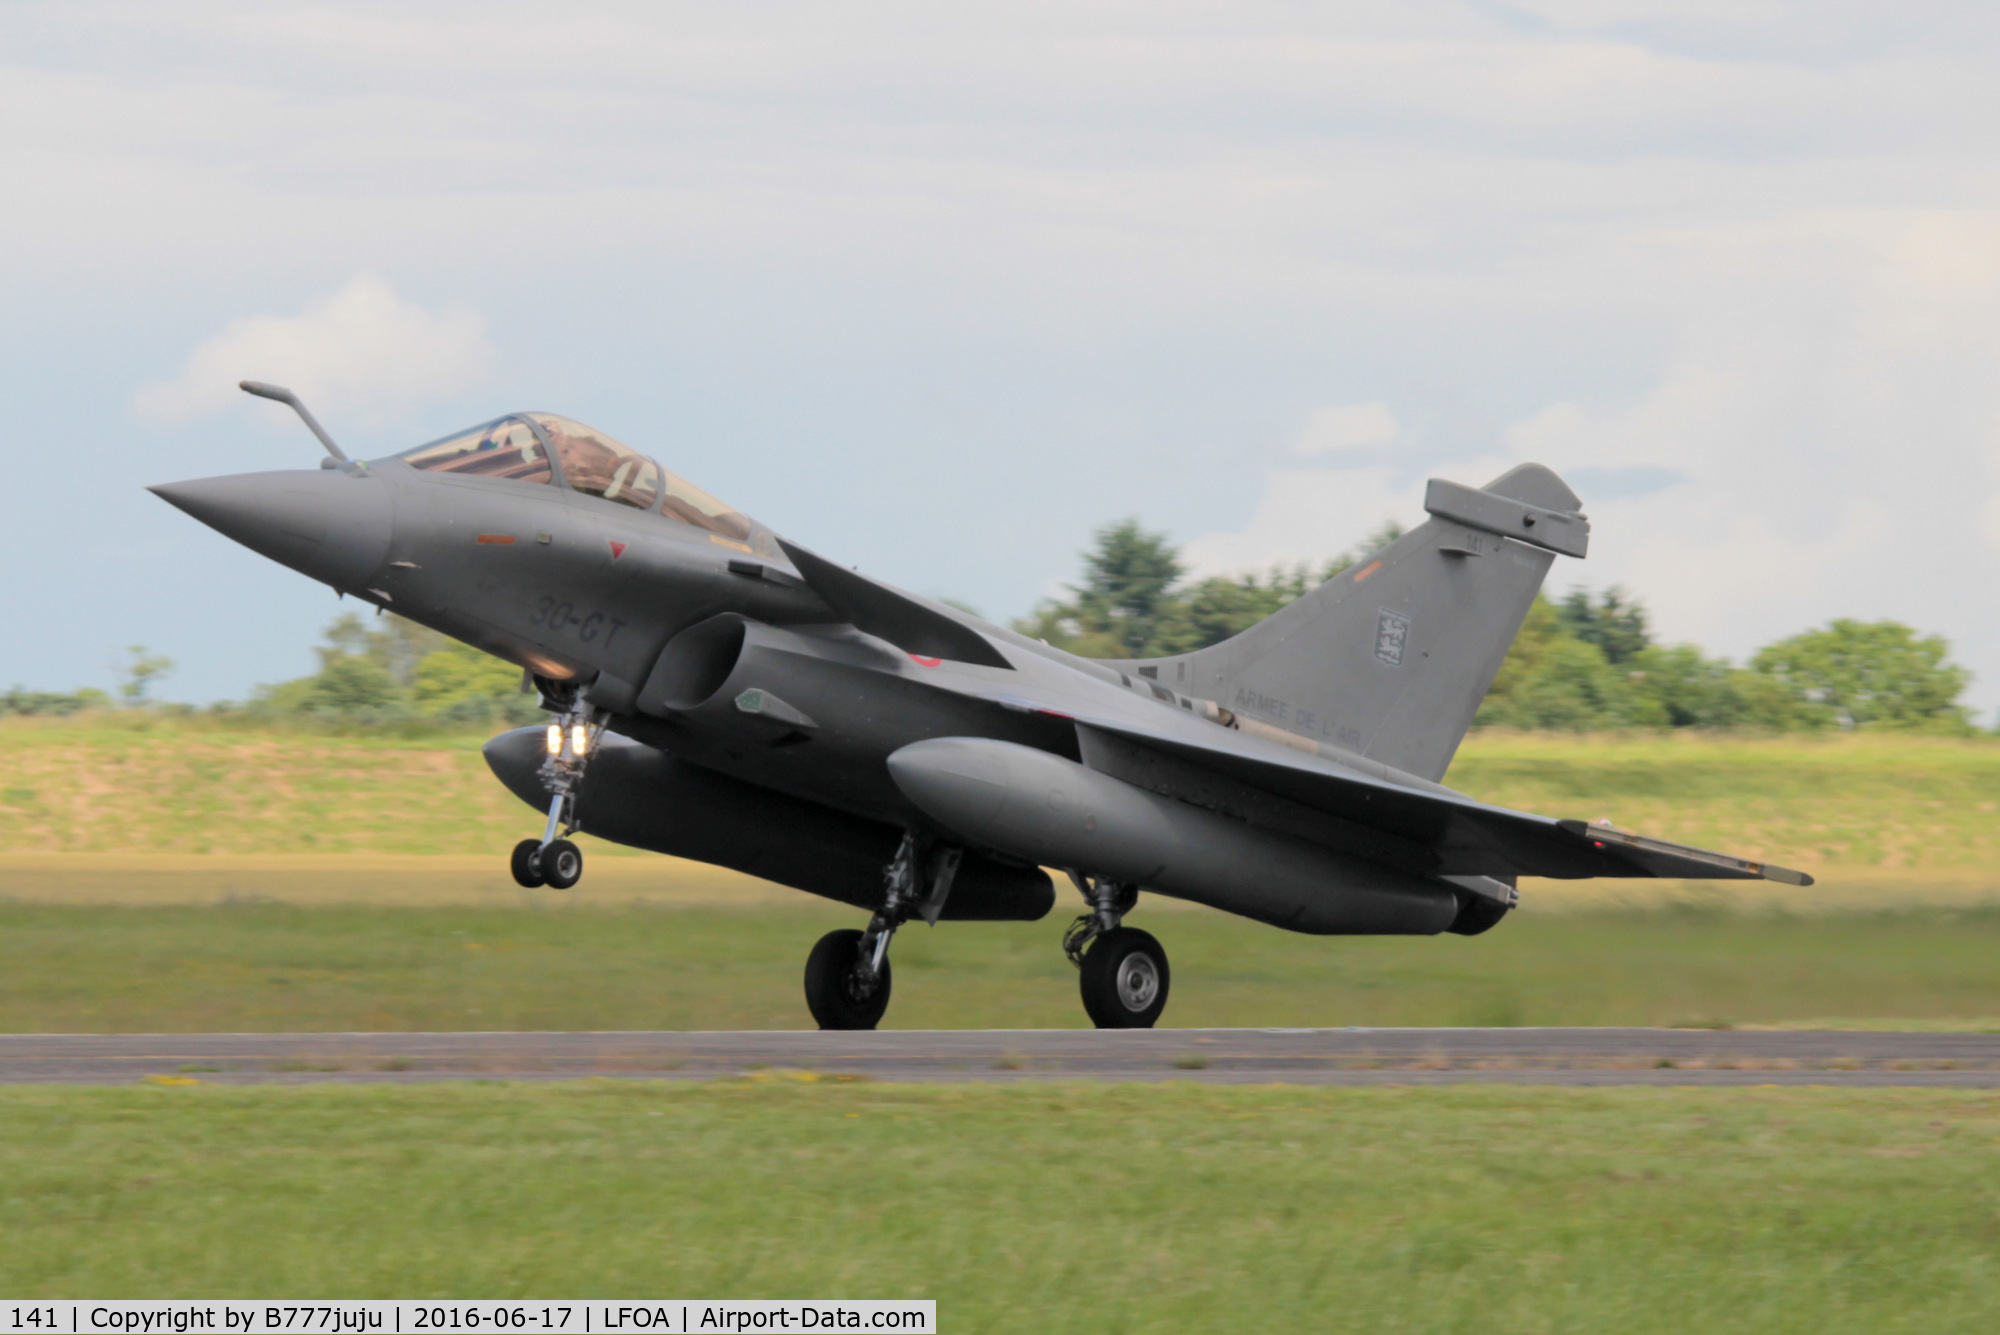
[(553, 861), (847, 974), (1121, 971)]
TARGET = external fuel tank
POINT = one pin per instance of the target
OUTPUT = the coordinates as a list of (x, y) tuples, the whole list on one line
[(1042, 808)]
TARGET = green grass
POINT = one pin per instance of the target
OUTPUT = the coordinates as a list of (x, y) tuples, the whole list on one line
[(275, 967), (119, 783), (1052, 1207), (1882, 800), (1886, 820)]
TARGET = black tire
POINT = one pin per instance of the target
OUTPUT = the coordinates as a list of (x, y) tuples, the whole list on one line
[(526, 863), (837, 992), (1125, 980), (561, 864)]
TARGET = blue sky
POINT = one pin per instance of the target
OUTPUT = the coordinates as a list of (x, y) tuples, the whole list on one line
[(938, 289)]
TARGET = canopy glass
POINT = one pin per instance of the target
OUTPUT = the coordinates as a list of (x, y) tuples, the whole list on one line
[(586, 460)]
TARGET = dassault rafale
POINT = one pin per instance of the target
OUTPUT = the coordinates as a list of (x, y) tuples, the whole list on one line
[(720, 693)]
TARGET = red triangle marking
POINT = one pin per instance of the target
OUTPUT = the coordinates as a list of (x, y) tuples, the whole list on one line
[(617, 550)]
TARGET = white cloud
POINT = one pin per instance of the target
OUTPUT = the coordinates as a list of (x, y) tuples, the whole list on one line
[(1305, 516), (1350, 426), (1827, 415), (364, 348)]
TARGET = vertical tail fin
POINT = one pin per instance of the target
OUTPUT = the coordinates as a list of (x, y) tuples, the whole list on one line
[(1392, 657)]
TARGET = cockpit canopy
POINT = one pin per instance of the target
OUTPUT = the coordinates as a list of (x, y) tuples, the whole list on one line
[(521, 448)]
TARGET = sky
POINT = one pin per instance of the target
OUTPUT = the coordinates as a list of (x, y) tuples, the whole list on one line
[(938, 290)]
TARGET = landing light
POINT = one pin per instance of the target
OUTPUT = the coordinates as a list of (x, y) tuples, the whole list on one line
[(579, 739), (555, 739)]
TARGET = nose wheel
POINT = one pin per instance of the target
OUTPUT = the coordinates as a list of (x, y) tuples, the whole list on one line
[(551, 860), (526, 863), (557, 864)]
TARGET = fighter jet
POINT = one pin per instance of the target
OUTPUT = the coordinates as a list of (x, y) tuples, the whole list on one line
[(721, 693)]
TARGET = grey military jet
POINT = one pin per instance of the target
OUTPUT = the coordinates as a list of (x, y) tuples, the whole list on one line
[(720, 693)]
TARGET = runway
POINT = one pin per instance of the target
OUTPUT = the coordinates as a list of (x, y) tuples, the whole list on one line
[(1239, 1056)]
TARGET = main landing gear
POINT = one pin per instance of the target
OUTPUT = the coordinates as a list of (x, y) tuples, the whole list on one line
[(552, 861), (847, 974), (1121, 970)]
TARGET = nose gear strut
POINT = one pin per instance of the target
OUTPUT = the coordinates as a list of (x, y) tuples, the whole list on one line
[(847, 974), (551, 860)]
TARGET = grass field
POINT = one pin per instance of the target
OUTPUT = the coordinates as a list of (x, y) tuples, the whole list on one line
[(170, 876), (120, 783), (280, 967), (1878, 802), (167, 877), (1056, 1208), (112, 783)]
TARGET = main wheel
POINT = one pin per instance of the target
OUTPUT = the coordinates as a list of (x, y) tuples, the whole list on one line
[(526, 863), (1124, 980), (839, 993), (561, 864)]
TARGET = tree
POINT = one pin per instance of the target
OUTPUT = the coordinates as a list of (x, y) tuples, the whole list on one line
[(1573, 688), (351, 684), (1116, 613), (1132, 605), (1692, 689), (1221, 606), (20, 700), (1696, 691), (1876, 674), (1539, 630), (1126, 579), (1613, 622), (460, 684), (394, 672), (140, 673), (394, 644), (1554, 681), (1586, 663)]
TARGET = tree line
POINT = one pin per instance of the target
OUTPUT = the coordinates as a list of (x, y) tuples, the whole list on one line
[(1586, 662), (388, 674)]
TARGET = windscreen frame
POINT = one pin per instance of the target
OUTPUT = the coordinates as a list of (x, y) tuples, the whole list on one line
[(556, 479), (660, 471)]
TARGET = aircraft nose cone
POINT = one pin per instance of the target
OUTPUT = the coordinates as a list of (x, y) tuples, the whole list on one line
[(333, 526)]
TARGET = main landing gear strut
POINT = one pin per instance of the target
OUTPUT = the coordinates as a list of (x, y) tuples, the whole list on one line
[(549, 860), (1121, 970), (847, 974)]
